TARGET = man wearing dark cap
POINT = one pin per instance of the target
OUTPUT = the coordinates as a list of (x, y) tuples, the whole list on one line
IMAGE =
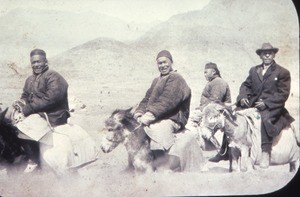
[(165, 108), (216, 90), (45, 93), (267, 88)]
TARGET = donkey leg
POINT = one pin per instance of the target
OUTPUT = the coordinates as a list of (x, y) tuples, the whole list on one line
[(174, 163), (244, 158), (230, 159), (238, 162), (230, 164)]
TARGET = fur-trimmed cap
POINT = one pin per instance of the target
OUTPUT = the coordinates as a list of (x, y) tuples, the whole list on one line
[(164, 53), (37, 52)]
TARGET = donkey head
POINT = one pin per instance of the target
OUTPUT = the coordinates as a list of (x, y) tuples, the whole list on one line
[(214, 117), (116, 129)]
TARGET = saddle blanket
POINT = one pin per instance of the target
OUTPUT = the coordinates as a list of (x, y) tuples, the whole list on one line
[(68, 142)]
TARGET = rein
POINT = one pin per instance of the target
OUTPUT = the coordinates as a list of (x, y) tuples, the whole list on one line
[(136, 128)]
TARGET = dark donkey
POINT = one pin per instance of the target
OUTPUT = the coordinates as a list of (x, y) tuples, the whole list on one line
[(121, 127), (184, 155), (10, 146)]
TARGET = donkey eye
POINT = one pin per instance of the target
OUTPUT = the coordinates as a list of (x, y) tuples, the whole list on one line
[(110, 129)]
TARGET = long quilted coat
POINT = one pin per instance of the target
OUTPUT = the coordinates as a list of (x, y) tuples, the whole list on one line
[(168, 98)]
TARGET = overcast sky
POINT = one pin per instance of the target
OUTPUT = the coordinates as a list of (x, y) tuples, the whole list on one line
[(128, 10)]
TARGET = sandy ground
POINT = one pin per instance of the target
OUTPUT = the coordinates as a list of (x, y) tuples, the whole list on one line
[(106, 177)]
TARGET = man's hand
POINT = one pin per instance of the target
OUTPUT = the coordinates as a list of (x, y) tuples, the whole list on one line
[(19, 117), (146, 119), (260, 105), (137, 115), (19, 104), (245, 102)]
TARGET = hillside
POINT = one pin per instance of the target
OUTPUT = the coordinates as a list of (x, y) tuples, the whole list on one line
[(57, 31), (225, 33)]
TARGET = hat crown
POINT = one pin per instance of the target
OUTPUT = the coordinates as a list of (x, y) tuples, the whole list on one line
[(164, 53), (211, 65), (266, 46), (37, 52)]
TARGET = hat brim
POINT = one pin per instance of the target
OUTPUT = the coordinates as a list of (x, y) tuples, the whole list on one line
[(258, 51)]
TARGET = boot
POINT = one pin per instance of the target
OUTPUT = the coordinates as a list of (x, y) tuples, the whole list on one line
[(265, 160), (223, 154), (219, 157)]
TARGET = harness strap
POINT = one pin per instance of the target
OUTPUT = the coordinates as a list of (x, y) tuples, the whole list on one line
[(47, 119)]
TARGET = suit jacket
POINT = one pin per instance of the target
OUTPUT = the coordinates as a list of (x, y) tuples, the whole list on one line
[(273, 88)]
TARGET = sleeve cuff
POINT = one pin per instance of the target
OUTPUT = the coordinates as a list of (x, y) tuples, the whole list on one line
[(27, 110)]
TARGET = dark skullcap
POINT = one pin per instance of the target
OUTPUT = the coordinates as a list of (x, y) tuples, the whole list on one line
[(165, 53), (38, 52), (213, 66)]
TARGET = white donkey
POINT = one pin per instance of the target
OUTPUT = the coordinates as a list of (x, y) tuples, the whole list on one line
[(243, 132)]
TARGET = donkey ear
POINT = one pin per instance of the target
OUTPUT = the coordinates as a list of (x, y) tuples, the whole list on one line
[(229, 114), (2, 114), (131, 110), (134, 108)]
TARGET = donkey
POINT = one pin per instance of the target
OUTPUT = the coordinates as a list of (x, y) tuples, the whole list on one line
[(62, 149), (121, 127), (243, 132), (10, 147)]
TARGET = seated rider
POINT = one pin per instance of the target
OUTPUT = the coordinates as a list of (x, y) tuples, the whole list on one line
[(267, 88), (46, 93), (165, 107), (216, 90)]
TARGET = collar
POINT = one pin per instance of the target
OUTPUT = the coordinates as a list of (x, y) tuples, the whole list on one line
[(265, 66), (44, 70), (168, 73), (214, 77)]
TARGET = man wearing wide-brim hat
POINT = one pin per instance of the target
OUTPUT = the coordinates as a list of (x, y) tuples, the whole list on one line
[(267, 88)]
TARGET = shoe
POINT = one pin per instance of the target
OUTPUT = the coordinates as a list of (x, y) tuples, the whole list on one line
[(265, 160), (219, 157), (31, 166)]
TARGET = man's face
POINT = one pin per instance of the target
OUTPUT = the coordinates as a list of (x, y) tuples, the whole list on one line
[(164, 65), (38, 63), (267, 57), (209, 73)]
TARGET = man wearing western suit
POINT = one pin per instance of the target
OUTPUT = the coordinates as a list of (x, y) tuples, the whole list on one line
[(267, 88)]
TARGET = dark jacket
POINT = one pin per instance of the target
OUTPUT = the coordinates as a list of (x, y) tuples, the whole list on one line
[(168, 98), (273, 89), (47, 92)]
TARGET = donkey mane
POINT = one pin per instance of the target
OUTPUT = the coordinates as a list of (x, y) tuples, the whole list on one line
[(126, 118)]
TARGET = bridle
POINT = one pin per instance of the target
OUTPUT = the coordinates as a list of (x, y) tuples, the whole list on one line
[(217, 125)]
